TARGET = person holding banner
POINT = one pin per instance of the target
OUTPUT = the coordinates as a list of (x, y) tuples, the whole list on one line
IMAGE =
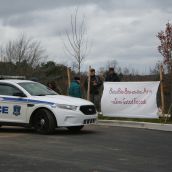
[(75, 89), (95, 84), (112, 76)]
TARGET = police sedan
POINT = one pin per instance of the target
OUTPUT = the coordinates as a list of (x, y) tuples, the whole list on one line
[(28, 103)]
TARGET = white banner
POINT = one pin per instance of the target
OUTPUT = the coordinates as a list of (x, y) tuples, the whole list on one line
[(130, 99)]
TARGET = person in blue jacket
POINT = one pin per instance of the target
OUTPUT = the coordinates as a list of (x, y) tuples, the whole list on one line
[(75, 88)]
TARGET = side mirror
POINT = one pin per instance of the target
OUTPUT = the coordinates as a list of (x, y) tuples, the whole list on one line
[(19, 94)]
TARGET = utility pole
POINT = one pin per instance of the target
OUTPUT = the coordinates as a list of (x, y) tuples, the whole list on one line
[(162, 89), (88, 90)]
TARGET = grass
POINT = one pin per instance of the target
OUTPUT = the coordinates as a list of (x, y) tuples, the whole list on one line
[(160, 120)]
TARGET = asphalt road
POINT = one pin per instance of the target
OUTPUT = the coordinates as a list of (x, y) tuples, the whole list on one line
[(95, 149)]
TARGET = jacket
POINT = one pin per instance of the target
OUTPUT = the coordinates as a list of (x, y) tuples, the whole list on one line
[(112, 78), (75, 89), (94, 89)]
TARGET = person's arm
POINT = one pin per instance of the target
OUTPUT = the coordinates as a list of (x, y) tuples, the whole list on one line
[(106, 78), (98, 80)]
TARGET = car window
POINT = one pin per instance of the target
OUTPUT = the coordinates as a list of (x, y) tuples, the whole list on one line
[(9, 90), (37, 89)]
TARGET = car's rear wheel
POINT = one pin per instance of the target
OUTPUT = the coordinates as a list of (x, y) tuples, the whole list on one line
[(75, 128), (44, 121)]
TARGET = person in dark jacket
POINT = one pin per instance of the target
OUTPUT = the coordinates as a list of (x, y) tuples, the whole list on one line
[(95, 85), (75, 88), (112, 76)]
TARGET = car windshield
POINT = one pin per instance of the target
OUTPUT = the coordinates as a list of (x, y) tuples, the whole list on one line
[(37, 89)]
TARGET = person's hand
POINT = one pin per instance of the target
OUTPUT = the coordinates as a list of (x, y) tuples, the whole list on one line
[(94, 83)]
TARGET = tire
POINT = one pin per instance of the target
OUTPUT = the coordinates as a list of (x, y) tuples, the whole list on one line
[(75, 128), (44, 122)]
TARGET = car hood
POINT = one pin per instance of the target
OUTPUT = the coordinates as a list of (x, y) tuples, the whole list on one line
[(60, 99)]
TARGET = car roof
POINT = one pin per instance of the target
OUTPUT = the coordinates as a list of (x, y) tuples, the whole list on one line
[(16, 81)]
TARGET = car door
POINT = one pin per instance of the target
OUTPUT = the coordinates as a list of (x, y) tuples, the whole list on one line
[(13, 106)]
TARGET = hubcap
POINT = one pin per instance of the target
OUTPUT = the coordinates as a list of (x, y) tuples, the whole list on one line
[(42, 122)]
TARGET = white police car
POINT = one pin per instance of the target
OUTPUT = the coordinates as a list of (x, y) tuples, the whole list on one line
[(24, 102)]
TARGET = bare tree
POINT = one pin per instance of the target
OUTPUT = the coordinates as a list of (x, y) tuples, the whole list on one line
[(156, 69), (126, 71), (2, 59), (24, 50), (114, 64), (76, 44)]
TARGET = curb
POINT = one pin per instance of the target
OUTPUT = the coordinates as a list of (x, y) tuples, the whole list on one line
[(132, 124)]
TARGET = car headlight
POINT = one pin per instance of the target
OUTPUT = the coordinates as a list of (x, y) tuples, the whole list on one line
[(68, 107)]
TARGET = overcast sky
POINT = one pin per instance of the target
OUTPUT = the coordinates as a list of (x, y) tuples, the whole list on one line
[(123, 30)]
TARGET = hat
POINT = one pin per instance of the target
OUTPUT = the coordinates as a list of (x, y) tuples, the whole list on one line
[(76, 78), (111, 69), (92, 70)]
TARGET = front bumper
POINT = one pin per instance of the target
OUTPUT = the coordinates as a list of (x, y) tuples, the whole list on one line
[(67, 118)]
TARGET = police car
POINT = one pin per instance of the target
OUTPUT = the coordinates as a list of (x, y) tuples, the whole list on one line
[(29, 103)]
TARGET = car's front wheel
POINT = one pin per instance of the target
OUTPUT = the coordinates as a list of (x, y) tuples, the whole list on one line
[(75, 128), (44, 122)]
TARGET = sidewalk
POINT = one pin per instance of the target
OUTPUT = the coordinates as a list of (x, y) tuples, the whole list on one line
[(133, 124)]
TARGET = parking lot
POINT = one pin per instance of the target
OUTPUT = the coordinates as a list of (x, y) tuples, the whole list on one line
[(94, 149)]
